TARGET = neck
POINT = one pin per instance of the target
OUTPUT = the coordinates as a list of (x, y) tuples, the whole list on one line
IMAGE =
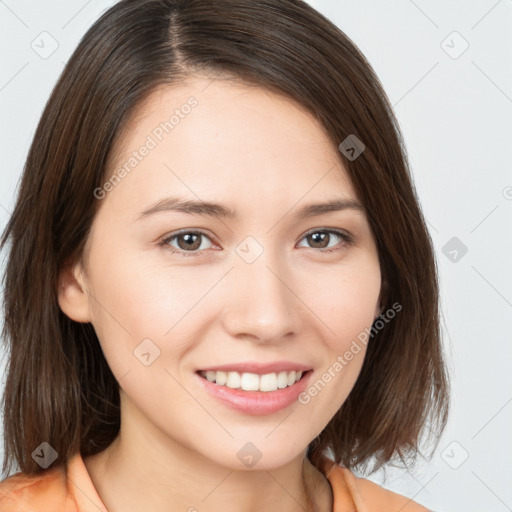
[(139, 471)]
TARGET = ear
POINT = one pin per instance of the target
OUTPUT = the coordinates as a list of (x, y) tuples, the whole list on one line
[(378, 312), (383, 297), (72, 293)]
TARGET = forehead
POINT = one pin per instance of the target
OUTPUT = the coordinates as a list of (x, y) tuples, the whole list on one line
[(217, 139)]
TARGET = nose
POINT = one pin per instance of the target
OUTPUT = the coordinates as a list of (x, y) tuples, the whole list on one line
[(261, 304)]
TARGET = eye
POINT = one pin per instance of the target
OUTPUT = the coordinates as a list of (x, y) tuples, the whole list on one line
[(320, 238), (191, 241), (188, 242)]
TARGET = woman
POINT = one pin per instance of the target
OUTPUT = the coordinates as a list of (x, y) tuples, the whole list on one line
[(219, 278)]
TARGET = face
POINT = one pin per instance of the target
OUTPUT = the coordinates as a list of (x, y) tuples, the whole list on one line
[(173, 293)]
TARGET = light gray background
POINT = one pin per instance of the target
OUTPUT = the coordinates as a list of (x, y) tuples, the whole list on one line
[(454, 109)]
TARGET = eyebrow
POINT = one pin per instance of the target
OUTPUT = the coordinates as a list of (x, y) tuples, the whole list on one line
[(218, 210)]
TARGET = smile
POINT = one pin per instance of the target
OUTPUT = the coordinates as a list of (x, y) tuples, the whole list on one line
[(254, 394), (252, 381)]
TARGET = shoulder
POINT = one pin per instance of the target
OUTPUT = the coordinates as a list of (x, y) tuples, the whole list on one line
[(367, 495), (43, 492), (374, 495)]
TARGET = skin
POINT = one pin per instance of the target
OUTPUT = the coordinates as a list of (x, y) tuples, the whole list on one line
[(264, 156)]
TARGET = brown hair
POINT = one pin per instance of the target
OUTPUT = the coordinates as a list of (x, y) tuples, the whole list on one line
[(59, 388)]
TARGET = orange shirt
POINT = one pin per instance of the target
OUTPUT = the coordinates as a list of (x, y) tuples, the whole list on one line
[(58, 490)]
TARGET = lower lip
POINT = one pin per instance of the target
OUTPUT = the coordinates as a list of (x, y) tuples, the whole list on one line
[(256, 403)]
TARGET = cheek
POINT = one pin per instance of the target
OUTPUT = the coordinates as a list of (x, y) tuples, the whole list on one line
[(333, 381), (134, 302), (144, 299), (347, 307), (140, 318), (347, 313)]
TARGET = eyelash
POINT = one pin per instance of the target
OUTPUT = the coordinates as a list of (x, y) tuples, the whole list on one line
[(165, 242)]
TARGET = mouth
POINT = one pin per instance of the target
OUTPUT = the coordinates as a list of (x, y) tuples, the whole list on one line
[(254, 382), (254, 394)]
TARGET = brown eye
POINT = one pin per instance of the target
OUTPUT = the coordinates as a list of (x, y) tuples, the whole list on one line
[(321, 239), (189, 241), (186, 241)]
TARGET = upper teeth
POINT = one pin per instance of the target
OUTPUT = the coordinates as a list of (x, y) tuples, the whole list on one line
[(252, 381)]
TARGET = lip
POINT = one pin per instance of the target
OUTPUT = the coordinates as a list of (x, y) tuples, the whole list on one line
[(256, 403), (258, 368)]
